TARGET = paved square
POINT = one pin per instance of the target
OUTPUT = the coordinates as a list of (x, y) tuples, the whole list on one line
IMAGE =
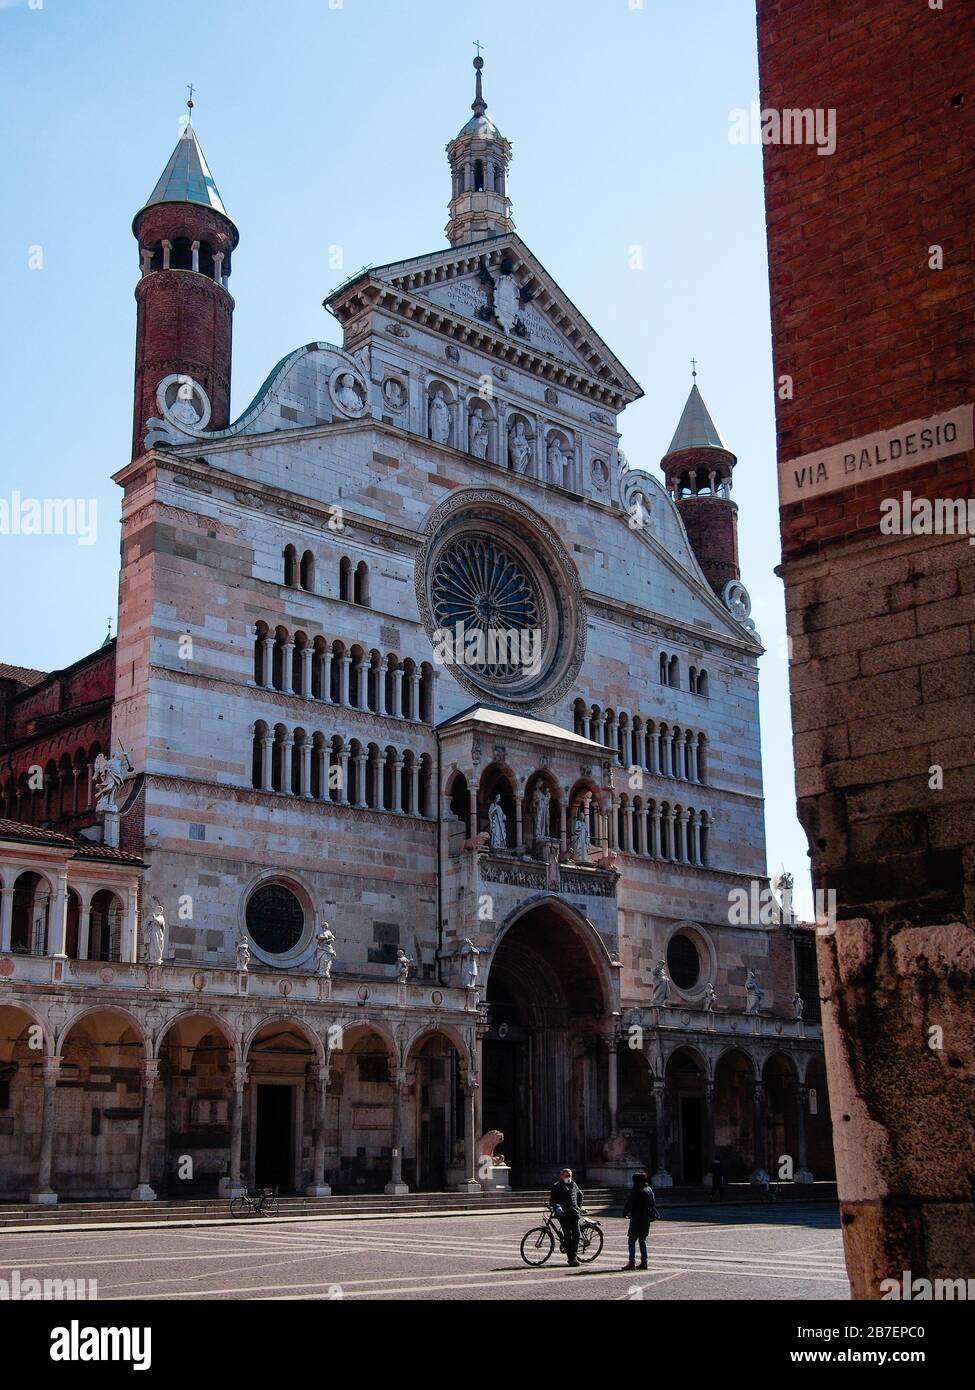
[(753, 1253)]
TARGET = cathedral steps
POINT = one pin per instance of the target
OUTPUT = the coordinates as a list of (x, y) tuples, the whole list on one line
[(22, 1217)]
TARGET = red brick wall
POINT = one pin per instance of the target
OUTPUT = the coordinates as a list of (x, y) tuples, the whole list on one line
[(712, 529), (871, 336)]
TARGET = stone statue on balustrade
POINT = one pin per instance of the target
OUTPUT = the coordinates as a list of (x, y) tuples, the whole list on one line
[(325, 952), (497, 824), (709, 998), (660, 990), (754, 994), (403, 966), (468, 963), (797, 1004), (110, 776), (243, 955), (154, 934)]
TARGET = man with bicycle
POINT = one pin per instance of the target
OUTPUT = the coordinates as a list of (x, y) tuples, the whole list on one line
[(565, 1199)]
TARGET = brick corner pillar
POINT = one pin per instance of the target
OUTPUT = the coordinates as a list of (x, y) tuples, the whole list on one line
[(873, 325)]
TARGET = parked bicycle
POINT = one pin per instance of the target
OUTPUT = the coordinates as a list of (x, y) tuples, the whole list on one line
[(537, 1245), (263, 1201)]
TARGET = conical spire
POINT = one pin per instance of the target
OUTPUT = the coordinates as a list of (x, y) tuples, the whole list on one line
[(187, 178), (696, 429)]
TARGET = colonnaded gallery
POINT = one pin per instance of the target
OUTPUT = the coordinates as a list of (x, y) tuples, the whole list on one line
[(417, 796)]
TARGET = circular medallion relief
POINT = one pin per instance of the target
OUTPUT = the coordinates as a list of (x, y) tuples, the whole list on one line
[(183, 402), (500, 599)]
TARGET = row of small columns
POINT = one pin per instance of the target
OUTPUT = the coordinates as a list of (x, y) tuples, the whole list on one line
[(360, 672), (344, 753), (603, 821), (661, 1105), (598, 726), (57, 920), (685, 843), (167, 247)]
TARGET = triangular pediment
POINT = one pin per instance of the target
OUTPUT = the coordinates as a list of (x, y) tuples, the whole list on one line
[(500, 287)]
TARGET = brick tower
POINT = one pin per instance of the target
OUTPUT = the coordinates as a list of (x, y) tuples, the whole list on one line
[(185, 312), (697, 468)]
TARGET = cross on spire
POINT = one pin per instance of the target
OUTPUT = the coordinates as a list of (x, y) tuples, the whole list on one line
[(189, 101), (694, 368)]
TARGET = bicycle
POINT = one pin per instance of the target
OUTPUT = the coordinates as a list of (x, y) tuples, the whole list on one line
[(537, 1244), (263, 1201)]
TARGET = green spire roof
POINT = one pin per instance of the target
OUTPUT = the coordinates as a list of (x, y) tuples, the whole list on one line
[(187, 178), (696, 429)]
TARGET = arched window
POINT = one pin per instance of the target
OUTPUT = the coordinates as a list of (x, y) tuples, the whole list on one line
[(308, 571), (478, 176), (360, 587), (290, 557), (673, 673), (702, 683), (663, 668), (345, 579), (105, 927)]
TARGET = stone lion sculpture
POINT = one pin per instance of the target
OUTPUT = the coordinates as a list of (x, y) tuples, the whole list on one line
[(487, 1144)]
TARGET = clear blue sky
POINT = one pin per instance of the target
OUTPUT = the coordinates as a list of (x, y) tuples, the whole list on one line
[(324, 125)]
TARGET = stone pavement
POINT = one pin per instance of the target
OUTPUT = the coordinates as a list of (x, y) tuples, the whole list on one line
[(755, 1253)]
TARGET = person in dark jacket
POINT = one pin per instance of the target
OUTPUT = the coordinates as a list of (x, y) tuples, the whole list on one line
[(717, 1179), (641, 1208), (565, 1199)]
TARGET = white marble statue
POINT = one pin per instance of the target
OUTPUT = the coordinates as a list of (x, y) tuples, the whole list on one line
[(468, 961), (519, 448), (542, 807), (661, 985), (154, 934), (439, 418), (403, 965), (753, 993), (479, 434), (183, 409), (797, 1004), (497, 824), (580, 838), (243, 955), (111, 774), (556, 461), (325, 952), (709, 998)]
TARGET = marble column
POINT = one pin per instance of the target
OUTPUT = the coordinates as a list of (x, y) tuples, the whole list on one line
[(398, 786), (305, 771), (361, 670), (344, 665), (327, 676), (661, 1178), (306, 656), (144, 1192), (415, 787), (360, 780), (761, 1156), (708, 1135), (287, 745), (84, 929), (57, 922), (612, 1084), (236, 1184), (267, 762), (287, 666), (344, 753), (802, 1173), (470, 1183), (655, 832), (319, 1187), (267, 661), (397, 674), (519, 822), (6, 916), (414, 695), (45, 1196), (396, 1186)]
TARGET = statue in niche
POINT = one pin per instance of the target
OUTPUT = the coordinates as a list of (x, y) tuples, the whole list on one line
[(497, 824), (754, 993), (347, 394), (243, 955), (661, 985), (556, 460), (403, 966), (542, 808), (325, 952), (155, 934), (797, 1005), (519, 448), (394, 392), (580, 837), (468, 962), (480, 433), (439, 418)]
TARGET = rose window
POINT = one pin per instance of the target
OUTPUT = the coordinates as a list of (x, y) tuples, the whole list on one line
[(482, 595)]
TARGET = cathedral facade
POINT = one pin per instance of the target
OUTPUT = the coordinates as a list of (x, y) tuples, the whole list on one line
[(433, 787)]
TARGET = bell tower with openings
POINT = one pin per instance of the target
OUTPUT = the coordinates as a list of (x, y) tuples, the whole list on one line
[(184, 309)]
